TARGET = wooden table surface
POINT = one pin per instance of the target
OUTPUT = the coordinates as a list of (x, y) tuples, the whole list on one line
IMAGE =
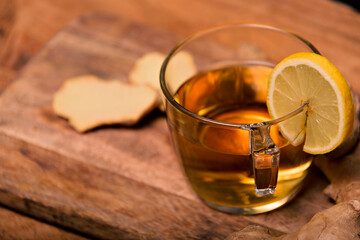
[(332, 27)]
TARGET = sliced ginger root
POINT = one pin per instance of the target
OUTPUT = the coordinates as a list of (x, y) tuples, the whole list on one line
[(89, 102), (146, 71), (180, 69)]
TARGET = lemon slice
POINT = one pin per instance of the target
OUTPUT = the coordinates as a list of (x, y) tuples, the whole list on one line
[(313, 79)]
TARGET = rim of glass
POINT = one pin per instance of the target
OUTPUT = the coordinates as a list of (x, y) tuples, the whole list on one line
[(198, 34)]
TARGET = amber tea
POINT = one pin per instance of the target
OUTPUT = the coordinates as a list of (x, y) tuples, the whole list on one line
[(217, 161), (233, 155)]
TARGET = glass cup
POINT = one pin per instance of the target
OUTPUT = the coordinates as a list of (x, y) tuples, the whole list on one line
[(233, 154)]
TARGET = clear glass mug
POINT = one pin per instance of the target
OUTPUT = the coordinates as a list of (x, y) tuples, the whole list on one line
[(232, 153)]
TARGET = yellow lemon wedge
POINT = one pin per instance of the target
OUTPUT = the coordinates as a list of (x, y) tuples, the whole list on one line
[(311, 78)]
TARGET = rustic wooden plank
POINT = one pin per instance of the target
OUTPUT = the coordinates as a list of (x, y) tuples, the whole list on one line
[(113, 181), (99, 202), (17, 226), (106, 205), (75, 52)]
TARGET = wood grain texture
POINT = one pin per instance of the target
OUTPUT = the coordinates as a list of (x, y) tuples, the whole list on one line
[(114, 182), (17, 226)]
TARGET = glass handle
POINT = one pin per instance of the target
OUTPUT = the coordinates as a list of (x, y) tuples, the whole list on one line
[(265, 156)]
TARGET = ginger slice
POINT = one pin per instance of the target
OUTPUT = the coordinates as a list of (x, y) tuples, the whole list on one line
[(88, 102), (180, 69), (146, 71)]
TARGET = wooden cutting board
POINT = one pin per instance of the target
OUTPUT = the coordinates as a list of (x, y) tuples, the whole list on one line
[(113, 182)]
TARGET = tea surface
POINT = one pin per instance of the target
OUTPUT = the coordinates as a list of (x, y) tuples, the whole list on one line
[(217, 160)]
